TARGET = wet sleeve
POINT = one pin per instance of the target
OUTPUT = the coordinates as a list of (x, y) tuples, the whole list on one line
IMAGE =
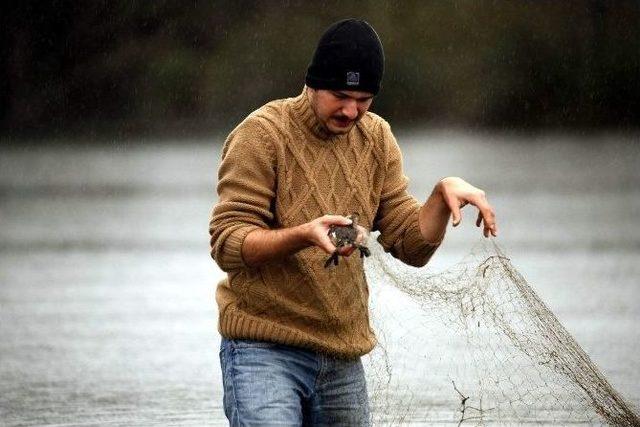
[(397, 214), (246, 189)]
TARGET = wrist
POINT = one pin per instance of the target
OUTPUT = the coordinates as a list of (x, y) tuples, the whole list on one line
[(433, 217), (436, 202), (303, 233)]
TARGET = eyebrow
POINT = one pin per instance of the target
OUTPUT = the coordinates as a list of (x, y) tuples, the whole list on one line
[(344, 95)]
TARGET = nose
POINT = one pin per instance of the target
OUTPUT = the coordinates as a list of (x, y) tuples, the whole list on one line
[(350, 109)]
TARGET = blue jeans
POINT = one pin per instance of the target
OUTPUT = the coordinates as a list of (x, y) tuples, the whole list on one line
[(273, 384)]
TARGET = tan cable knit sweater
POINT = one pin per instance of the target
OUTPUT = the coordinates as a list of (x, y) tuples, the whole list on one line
[(280, 169)]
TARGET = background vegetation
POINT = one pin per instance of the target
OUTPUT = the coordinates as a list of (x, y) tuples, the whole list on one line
[(176, 67)]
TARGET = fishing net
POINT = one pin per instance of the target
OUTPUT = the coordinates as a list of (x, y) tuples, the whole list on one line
[(475, 345)]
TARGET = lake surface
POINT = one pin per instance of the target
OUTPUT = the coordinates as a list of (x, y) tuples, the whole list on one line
[(107, 312)]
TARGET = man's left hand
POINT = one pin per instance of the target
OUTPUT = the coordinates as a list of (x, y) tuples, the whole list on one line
[(457, 193)]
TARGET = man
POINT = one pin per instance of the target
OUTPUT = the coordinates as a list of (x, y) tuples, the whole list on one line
[(293, 331)]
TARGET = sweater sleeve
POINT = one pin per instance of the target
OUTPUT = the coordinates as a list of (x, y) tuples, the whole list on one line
[(397, 214), (246, 189)]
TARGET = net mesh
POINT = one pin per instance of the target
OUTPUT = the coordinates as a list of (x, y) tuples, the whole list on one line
[(475, 345)]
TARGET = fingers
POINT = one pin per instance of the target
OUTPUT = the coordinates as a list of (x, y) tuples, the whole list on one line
[(318, 228), (363, 235), (336, 219), (493, 229), (486, 216), (457, 193), (326, 245), (320, 236), (454, 207)]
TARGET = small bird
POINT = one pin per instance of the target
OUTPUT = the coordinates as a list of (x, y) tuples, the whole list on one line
[(343, 236)]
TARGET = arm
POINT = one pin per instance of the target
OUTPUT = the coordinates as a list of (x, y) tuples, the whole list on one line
[(411, 232), (397, 213), (246, 188), (262, 246)]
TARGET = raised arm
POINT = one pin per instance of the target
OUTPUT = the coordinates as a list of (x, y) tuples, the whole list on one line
[(398, 211), (412, 232)]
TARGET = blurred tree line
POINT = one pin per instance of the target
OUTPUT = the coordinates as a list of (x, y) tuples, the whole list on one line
[(139, 67)]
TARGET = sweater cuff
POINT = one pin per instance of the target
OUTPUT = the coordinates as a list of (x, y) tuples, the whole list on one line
[(232, 253), (416, 247)]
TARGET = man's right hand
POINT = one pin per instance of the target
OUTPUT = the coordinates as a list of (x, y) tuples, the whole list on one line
[(317, 232), (262, 246)]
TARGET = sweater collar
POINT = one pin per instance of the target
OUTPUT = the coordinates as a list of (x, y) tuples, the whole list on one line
[(308, 119)]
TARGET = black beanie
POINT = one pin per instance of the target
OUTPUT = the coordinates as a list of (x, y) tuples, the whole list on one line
[(349, 56)]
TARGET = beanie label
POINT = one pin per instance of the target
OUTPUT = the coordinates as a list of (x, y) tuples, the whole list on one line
[(353, 78)]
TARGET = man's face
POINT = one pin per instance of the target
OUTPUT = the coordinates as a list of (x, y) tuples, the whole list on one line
[(339, 110)]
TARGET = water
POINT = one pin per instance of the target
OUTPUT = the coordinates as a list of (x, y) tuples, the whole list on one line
[(107, 313)]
